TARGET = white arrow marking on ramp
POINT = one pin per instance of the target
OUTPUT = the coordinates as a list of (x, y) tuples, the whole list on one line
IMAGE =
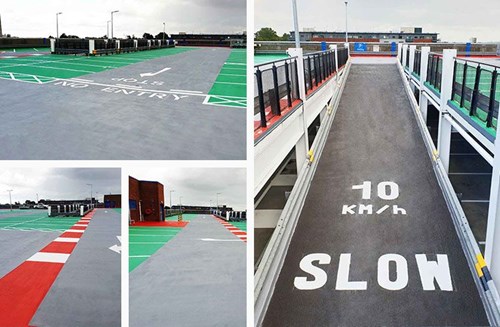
[(117, 248), (158, 72)]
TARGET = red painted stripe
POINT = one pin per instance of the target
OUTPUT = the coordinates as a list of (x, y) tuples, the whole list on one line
[(239, 232), (70, 234), (23, 289), (59, 247)]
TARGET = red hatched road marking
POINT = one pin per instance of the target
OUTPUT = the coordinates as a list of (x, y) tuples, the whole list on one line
[(242, 235), (23, 289)]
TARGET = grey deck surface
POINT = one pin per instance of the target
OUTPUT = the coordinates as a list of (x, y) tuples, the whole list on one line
[(87, 291), (190, 282), (16, 246), (375, 138), (53, 121)]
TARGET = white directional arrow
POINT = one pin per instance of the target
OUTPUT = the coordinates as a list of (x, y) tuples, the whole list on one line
[(117, 248), (158, 72)]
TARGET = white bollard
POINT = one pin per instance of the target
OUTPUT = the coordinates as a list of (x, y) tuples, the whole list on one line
[(91, 46)]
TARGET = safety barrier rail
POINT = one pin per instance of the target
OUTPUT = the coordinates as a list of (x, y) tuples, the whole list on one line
[(465, 92), (476, 91), (106, 46), (417, 62), (318, 67), (230, 215), (407, 63), (434, 72), (276, 88)]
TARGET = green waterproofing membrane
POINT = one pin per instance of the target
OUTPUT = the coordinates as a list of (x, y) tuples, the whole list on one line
[(185, 217), (38, 221), (119, 210), (481, 114), (47, 68), (145, 241), (230, 86), (263, 58), (23, 50), (239, 224)]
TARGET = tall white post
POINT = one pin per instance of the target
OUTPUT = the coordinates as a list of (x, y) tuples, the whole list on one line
[(405, 52), (302, 146), (346, 35), (492, 251), (296, 24), (91, 46), (400, 51), (444, 133), (424, 61)]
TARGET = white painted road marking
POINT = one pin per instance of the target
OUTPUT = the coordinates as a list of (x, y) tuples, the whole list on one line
[(158, 72), (49, 257), (431, 273), (117, 248), (67, 239)]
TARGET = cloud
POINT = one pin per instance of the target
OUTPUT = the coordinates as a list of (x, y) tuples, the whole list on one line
[(199, 186), (57, 183), (456, 21), (33, 18)]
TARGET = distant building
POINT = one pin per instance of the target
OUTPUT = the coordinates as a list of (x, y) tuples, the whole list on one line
[(407, 34), (112, 201), (146, 200)]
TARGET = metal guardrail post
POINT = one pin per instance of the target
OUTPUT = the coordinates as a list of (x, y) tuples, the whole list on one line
[(262, 108), (288, 90), (277, 109), (296, 69), (491, 106), (310, 72), (464, 79), (475, 93)]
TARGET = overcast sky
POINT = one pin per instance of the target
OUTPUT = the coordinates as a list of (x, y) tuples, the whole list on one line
[(198, 186), (455, 21), (57, 183), (37, 18)]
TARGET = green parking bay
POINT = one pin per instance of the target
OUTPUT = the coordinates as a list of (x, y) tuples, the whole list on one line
[(48, 68), (145, 241), (38, 221), (230, 87)]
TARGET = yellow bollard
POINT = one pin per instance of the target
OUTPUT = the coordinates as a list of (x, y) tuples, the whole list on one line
[(179, 218)]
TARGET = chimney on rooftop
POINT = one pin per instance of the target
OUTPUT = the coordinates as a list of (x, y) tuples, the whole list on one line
[(1, 26)]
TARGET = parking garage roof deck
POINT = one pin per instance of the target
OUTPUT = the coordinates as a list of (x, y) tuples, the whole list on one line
[(173, 103)]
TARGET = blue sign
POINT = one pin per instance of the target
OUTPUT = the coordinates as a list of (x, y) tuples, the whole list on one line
[(360, 46), (323, 46), (394, 47), (468, 48)]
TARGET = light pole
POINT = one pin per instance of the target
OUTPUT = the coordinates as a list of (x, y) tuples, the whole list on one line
[(171, 198), (296, 24), (114, 11), (90, 193), (346, 36), (163, 43), (107, 28), (57, 24), (218, 200), (10, 198)]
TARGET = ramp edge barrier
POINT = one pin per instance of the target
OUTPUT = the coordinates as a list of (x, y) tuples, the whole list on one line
[(479, 270), (274, 255)]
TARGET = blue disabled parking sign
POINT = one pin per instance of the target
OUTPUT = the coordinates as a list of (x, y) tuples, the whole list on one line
[(360, 46)]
